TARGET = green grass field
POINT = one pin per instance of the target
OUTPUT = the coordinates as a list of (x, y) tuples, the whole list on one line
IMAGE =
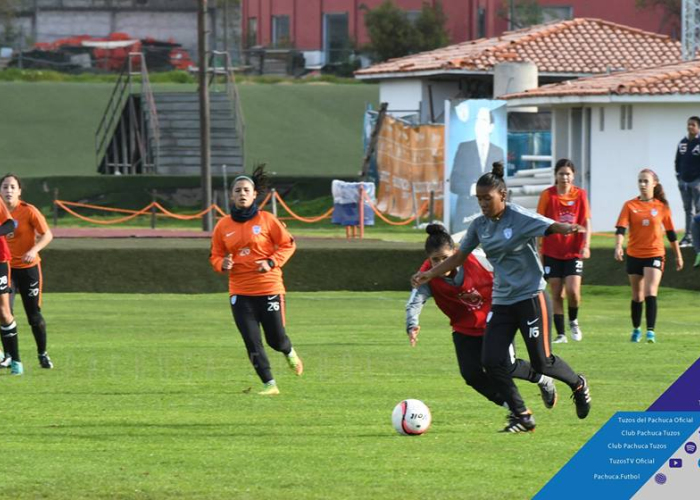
[(147, 401), (313, 129)]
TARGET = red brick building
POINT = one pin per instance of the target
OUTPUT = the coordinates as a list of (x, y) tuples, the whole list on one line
[(324, 29)]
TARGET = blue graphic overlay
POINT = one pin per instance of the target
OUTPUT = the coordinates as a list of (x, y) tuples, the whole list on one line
[(640, 455)]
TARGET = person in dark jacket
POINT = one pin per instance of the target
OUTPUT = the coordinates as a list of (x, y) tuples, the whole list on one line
[(688, 174)]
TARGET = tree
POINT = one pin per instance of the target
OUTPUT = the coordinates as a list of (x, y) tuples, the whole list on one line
[(8, 14), (431, 27), (671, 13), (392, 34)]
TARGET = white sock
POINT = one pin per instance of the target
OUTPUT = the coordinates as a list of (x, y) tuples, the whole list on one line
[(271, 382), (292, 353)]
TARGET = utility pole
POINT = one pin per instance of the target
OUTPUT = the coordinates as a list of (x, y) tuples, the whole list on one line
[(204, 114)]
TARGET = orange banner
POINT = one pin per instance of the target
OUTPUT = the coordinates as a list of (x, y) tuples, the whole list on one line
[(410, 161)]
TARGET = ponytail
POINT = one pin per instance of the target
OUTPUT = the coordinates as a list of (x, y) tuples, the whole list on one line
[(494, 179), (259, 179), (659, 193), (438, 237)]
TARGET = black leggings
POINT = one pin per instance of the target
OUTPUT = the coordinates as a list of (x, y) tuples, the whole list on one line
[(249, 312), (27, 282), (533, 318), (469, 353)]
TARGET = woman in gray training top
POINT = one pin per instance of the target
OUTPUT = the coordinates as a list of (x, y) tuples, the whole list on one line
[(507, 234)]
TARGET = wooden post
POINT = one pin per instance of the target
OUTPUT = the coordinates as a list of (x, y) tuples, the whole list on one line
[(204, 114), (374, 138), (273, 200), (226, 189), (431, 207), (55, 207), (153, 209), (362, 210)]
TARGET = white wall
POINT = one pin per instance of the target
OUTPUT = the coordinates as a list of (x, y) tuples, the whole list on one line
[(442, 90), (618, 155), (402, 94)]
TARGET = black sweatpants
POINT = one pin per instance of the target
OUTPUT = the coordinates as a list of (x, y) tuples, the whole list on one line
[(28, 283), (249, 312), (469, 354), (533, 318)]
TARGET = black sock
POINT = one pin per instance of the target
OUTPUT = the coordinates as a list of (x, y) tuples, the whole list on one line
[(39, 331), (651, 312), (9, 337), (637, 313), (559, 323), (573, 313)]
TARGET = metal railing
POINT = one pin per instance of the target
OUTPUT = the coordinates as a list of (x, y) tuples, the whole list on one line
[(138, 150), (231, 89)]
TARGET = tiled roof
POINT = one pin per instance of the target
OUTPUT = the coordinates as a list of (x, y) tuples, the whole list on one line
[(676, 78), (579, 46)]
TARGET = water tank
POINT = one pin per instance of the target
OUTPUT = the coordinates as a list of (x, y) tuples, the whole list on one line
[(512, 77)]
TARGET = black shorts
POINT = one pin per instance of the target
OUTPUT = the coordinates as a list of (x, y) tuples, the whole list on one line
[(5, 278), (636, 266), (557, 268)]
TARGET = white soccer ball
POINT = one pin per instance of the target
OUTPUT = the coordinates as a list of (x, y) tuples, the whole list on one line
[(411, 417)]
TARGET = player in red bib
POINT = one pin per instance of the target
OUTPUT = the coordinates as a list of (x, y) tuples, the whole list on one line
[(563, 254), (464, 296), (8, 326)]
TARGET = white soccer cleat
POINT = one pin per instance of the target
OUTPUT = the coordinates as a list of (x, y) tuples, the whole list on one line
[(576, 333), (561, 339)]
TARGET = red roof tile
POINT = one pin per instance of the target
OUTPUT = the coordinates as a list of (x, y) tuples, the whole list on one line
[(676, 78), (579, 46)]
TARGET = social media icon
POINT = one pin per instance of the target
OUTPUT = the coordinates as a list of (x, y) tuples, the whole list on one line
[(660, 478), (690, 447), (675, 463)]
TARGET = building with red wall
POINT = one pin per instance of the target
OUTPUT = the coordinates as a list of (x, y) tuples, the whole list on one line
[(325, 29)]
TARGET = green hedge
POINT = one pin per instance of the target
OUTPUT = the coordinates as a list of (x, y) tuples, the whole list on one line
[(186, 270)]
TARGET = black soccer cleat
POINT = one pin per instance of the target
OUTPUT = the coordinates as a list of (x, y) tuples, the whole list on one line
[(520, 423), (45, 361), (582, 398)]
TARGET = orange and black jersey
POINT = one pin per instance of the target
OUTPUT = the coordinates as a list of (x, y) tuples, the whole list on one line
[(646, 221), (262, 237), (30, 222)]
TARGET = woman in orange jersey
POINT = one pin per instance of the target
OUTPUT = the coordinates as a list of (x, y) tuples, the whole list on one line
[(563, 254), (252, 246), (646, 216), (31, 236)]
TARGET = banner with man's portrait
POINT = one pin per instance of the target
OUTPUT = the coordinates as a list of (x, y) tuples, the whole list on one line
[(476, 136)]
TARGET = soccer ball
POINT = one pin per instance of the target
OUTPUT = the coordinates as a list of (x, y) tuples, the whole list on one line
[(411, 417)]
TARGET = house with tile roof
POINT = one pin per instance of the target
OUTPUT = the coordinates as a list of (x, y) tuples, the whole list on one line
[(419, 83), (612, 126)]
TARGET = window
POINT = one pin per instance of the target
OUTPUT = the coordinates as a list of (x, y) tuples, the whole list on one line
[(336, 38), (557, 14), (252, 34), (481, 23), (626, 117), (529, 14), (280, 31)]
